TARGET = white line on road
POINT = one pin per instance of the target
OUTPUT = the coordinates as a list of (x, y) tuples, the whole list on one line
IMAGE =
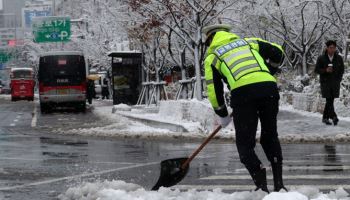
[(12, 124), (327, 155), (38, 159), (76, 176), (286, 177), (307, 168), (312, 161), (34, 116), (251, 187), (24, 159)]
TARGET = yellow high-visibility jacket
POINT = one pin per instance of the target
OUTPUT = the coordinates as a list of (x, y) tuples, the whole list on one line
[(238, 62)]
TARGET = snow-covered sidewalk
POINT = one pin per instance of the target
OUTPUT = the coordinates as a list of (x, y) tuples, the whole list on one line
[(194, 119), (120, 190)]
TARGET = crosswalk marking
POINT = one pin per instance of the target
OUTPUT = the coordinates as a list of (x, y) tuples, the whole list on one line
[(79, 176), (325, 154), (306, 168)]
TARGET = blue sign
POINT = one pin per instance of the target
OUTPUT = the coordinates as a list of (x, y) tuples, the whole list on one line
[(235, 44), (2, 66), (29, 14)]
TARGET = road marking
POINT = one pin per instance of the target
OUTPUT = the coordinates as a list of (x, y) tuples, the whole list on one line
[(24, 159), (286, 177), (16, 120), (312, 161), (251, 187), (34, 116), (76, 176), (306, 168), (38, 159), (327, 155), (12, 124)]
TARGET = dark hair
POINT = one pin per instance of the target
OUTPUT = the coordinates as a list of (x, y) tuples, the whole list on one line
[(331, 42)]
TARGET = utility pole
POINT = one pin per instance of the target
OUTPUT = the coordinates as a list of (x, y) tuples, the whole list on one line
[(53, 7)]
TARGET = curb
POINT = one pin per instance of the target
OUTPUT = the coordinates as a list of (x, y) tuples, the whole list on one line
[(155, 123)]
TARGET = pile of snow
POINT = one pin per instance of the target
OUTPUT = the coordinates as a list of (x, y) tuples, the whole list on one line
[(305, 94), (120, 190), (193, 114), (121, 107), (5, 96), (342, 107), (117, 126), (315, 103), (197, 117)]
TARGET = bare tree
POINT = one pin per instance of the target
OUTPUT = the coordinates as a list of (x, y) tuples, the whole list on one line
[(339, 16), (185, 18), (298, 25)]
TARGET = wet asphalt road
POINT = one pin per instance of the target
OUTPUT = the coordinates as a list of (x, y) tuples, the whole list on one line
[(35, 163)]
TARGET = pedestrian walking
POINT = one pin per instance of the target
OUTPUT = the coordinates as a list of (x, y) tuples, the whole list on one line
[(330, 67), (90, 90), (105, 91)]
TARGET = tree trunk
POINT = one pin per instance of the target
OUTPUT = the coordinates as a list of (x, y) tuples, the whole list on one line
[(183, 70), (304, 65), (198, 73), (155, 60), (345, 45)]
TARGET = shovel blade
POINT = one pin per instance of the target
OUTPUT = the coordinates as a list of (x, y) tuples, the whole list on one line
[(171, 172)]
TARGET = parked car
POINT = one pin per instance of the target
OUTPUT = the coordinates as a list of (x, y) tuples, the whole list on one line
[(5, 89)]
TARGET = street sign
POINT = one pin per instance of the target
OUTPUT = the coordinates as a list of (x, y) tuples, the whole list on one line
[(4, 57), (30, 13), (51, 29)]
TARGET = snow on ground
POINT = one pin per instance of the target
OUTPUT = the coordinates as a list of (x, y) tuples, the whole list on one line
[(195, 116), (119, 126), (301, 126), (120, 190), (5, 96), (8, 96), (198, 119)]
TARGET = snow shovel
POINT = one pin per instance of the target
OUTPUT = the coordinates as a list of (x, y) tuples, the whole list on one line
[(172, 171)]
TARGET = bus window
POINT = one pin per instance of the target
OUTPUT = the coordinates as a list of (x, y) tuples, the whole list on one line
[(62, 70)]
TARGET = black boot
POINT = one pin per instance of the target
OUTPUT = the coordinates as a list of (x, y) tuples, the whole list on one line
[(259, 178), (326, 121), (335, 121), (277, 177)]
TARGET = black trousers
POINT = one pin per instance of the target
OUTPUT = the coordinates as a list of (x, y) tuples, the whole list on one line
[(328, 112), (246, 114), (105, 93)]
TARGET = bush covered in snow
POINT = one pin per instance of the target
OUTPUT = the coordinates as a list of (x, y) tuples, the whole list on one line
[(304, 92)]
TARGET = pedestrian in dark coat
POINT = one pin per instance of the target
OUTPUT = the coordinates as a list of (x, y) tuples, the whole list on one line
[(105, 92), (330, 67), (90, 91)]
